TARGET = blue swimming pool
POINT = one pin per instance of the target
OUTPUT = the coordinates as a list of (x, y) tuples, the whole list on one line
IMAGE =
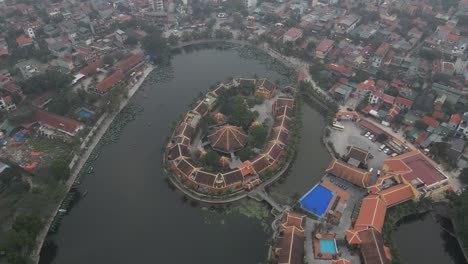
[(327, 246), (84, 113), (316, 201)]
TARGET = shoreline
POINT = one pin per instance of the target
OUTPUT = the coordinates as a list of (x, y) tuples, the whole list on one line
[(93, 138), (96, 133)]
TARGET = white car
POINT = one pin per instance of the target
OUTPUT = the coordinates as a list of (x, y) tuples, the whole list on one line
[(386, 150), (367, 134), (382, 147), (394, 154), (371, 136), (378, 173), (371, 169)]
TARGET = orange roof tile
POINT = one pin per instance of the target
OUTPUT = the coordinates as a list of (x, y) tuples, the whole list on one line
[(21, 40), (372, 213), (341, 261), (414, 165), (438, 115), (368, 84), (455, 119), (397, 194), (349, 173), (430, 121), (352, 236), (110, 81)]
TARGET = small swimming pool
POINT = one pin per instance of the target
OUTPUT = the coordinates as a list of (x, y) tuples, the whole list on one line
[(327, 246), (316, 201), (84, 113)]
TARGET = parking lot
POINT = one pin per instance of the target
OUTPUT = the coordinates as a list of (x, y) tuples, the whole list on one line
[(351, 136)]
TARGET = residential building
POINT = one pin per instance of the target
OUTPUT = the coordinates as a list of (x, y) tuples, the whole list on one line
[(380, 54), (120, 35), (454, 121), (50, 121), (456, 148), (375, 97), (324, 48), (23, 41), (403, 103), (292, 34), (249, 3), (6, 103)]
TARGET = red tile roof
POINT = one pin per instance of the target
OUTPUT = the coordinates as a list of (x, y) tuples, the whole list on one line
[(372, 213), (414, 165), (340, 69), (349, 173), (21, 40), (7, 99), (430, 121), (438, 115), (382, 50), (92, 68), (397, 194), (42, 99), (325, 45), (227, 138), (403, 101), (366, 85), (452, 37), (293, 33), (388, 99), (130, 62), (455, 119), (110, 81), (54, 121)]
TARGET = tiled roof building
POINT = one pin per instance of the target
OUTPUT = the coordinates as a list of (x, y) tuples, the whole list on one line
[(227, 138), (349, 173)]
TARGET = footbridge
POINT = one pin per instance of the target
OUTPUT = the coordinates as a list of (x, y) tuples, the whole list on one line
[(260, 194)]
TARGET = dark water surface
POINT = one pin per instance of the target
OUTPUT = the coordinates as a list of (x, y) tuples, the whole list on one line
[(130, 215), (421, 239), (311, 160)]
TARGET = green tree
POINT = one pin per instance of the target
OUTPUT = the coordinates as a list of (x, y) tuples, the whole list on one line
[(173, 40), (258, 136), (236, 109), (59, 169), (237, 21), (108, 59), (211, 159), (156, 46), (419, 124), (49, 80), (245, 153), (131, 41)]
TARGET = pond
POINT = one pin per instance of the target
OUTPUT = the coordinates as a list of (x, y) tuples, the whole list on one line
[(131, 216), (422, 239)]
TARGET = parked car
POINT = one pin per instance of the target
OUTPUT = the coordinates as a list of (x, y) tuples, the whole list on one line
[(390, 152), (386, 150), (382, 147), (378, 173), (394, 154), (367, 134), (371, 169), (371, 137)]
